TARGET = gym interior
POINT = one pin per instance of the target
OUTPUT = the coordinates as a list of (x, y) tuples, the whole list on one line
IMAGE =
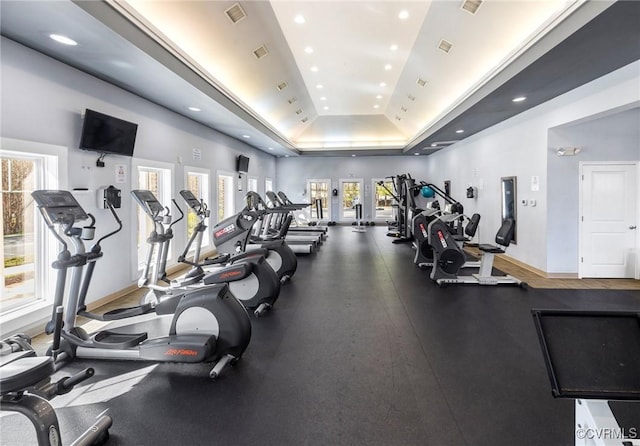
[(309, 317)]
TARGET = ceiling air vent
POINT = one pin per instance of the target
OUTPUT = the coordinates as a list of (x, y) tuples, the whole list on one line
[(445, 46), (305, 119), (411, 97), (260, 52), (292, 100), (421, 82), (299, 111), (398, 118), (404, 109), (235, 13), (281, 86), (471, 5)]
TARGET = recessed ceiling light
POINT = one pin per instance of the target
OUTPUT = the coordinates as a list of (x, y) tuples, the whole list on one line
[(270, 148), (519, 99), (376, 106), (299, 19), (434, 144), (353, 154), (314, 69), (326, 107), (383, 84), (416, 154), (404, 14), (379, 96), (63, 39), (319, 86), (459, 131), (195, 109), (323, 98), (308, 50), (286, 156), (246, 136), (388, 67), (393, 47)]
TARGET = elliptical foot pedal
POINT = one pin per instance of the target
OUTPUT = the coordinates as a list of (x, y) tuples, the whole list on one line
[(118, 341)]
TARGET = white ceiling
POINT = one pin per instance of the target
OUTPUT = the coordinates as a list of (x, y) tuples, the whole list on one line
[(182, 54), (357, 87)]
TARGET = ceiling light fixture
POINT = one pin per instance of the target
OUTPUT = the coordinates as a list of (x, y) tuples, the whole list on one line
[(403, 15), (308, 50), (63, 39), (383, 84), (460, 131), (376, 106), (416, 154), (353, 154), (393, 47), (270, 148), (314, 69), (519, 99), (246, 136), (379, 96), (299, 19), (195, 109), (319, 86), (326, 107), (323, 98), (387, 67)]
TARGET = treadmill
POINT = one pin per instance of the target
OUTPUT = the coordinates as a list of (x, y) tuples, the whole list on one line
[(593, 357)]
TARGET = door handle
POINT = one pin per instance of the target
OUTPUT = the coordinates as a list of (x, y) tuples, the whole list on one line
[(632, 227)]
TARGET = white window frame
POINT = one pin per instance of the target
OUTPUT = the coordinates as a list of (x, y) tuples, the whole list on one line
[(229, 208), (205, 174), (30, 318), (374, 204), (268, 185), (253, 180), (340, 203), (326, 217), (168, 182)]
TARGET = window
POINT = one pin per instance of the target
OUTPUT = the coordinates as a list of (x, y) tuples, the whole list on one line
[(198, 184), (319, 190), (351, 195), (27, 247), (268, 184), (151, 176), (225, 196), (383, 200), (252, 184)]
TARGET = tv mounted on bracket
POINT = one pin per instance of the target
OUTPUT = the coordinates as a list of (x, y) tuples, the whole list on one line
[(107, 134), (242, 164)]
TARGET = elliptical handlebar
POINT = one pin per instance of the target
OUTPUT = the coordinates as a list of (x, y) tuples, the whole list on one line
[(173, 200)]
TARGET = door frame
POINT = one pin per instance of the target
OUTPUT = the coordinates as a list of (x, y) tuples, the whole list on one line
[(362, 193), (581, 240)]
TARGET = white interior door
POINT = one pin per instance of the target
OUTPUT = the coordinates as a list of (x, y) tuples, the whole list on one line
[(608, 223)]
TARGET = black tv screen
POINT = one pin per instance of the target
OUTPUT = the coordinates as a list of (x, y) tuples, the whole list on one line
[(107, 134), (243, 164)]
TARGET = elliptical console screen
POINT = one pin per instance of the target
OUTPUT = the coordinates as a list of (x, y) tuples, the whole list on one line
[(58, 204)]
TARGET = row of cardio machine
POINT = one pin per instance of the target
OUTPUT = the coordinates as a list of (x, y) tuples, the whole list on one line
[(200, 317), (440, 236)]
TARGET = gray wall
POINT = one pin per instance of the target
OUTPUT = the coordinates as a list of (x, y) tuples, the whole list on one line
[(42, 101), (612, 137)]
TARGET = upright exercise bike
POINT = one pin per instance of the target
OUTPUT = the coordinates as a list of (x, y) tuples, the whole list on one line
[(204, 325)]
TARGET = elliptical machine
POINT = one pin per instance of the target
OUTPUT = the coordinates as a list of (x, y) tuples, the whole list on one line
[(25, 380), (278, 255), (204, 325), (250, 278)]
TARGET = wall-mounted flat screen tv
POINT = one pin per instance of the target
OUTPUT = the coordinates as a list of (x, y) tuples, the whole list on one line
[(107, 134), (243, 164)]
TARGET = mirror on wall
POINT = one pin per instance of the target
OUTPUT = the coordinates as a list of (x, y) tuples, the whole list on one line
[(509, 201)]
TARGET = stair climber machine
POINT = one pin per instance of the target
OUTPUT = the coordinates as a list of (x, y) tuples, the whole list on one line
[(273, 224), (207, 324), (25, 380), (250, 278), (449, 258), (279, 256)]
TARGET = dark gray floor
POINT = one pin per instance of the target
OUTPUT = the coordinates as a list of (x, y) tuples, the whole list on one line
[(361, 349)]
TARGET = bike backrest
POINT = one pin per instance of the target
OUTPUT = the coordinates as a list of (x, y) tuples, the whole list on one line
[(472, 226)]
